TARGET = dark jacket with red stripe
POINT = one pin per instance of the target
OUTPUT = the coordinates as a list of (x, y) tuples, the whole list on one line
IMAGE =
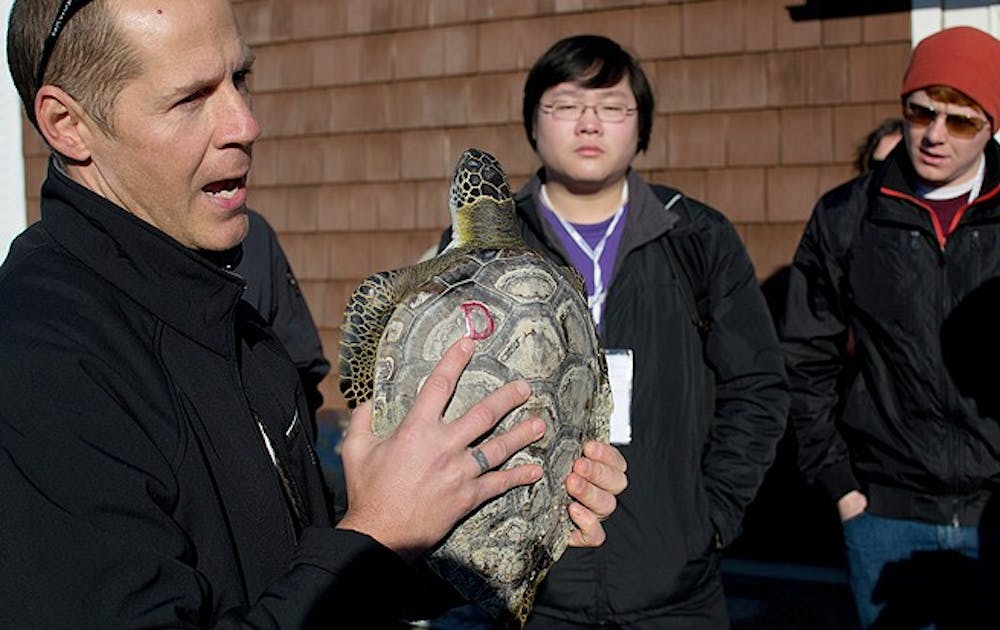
[(915, 425)]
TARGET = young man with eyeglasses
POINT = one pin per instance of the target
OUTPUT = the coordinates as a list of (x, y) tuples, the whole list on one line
[(696, 452), (903, 256), (157, 466)]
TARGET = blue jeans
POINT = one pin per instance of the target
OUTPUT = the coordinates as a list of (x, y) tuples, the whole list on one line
[(909, 574)]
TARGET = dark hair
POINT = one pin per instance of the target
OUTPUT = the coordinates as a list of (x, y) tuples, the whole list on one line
[(91, 61), (590, 61), (864, 157)]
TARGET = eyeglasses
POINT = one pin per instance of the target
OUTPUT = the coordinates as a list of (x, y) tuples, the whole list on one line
[(66, 10), (606, 112), (958, 125)]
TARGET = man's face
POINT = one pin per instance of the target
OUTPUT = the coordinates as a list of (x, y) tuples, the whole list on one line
[(586, 155), (180, 149), (940, 157)]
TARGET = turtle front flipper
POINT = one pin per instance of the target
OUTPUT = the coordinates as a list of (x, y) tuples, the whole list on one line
[(367, 313)]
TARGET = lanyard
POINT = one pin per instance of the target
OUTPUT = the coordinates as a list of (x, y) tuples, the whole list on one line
[(595, 300)]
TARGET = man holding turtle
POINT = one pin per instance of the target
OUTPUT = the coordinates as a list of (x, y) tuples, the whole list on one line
[(156, 460)]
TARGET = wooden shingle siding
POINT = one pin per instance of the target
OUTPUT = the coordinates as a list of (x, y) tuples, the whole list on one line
[(366, 105)]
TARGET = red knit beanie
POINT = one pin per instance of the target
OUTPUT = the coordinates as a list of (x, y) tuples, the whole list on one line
[(963, 58)]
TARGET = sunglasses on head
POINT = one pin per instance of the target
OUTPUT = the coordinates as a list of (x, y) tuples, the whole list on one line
[(958, 125), (66, 10)]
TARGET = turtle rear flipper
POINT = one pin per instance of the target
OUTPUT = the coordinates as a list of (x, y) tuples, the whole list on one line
[(367, 313)]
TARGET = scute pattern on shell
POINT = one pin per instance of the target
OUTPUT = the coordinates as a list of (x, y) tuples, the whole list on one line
[(541, 333), (531, 320)]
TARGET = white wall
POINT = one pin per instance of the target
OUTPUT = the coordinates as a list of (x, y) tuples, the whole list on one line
[(930, 16), (13, 214)]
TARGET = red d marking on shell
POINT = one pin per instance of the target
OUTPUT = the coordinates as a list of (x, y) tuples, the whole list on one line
[(478, 320)]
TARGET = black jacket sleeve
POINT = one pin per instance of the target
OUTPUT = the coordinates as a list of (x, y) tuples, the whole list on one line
[(813, 332), (89, 529), (751, 393)]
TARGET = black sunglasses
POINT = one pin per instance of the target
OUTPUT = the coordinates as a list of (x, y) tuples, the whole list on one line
[(958, 125), (66, 10)]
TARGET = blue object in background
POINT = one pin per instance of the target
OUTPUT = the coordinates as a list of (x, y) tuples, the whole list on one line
[(329, 435)]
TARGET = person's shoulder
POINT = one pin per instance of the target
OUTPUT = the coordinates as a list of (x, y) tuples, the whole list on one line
[(851, 195), (31, 244), (693, 212), (839, 209), (38, 266), (42, 283), (58, 313), (706, 216)]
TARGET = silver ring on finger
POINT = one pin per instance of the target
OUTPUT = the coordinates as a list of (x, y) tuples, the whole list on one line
[(484, 464)]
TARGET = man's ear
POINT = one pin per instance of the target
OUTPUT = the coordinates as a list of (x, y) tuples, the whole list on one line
[(63, 123)]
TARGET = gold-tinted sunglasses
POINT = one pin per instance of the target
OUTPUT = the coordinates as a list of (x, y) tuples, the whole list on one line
[(958, 125)]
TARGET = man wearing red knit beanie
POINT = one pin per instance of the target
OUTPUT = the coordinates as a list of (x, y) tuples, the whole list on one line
[(905, 436)]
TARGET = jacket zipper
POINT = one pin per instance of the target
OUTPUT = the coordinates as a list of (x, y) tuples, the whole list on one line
[(950, 433)]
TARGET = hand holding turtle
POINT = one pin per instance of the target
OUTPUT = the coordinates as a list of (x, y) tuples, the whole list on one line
[(531, 320), (598, 476), (409, 489)]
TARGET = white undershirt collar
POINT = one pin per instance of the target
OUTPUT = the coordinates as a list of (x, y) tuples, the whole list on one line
[(973, 187)]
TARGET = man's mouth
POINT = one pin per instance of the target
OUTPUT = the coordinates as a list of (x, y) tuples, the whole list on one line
[(226, 188)]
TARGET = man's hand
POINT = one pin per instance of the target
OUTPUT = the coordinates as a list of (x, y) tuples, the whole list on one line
[(851, 504), (596, 479), (408, 491)]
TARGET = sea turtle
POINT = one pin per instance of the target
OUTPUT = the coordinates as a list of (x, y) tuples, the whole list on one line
[(531, 320)]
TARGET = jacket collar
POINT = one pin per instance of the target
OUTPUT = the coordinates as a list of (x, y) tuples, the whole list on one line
[(177, 284), (646, 221), (897, 179)]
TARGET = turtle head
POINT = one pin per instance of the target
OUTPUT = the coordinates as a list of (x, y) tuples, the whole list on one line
[(481, 204)]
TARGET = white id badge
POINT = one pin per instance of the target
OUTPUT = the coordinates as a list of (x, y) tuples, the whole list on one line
[(620, 375)]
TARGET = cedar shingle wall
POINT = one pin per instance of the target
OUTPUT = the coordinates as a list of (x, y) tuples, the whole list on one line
[(366, 105)]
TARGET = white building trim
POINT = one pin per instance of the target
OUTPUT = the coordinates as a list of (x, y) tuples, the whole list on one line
[(930, 16)]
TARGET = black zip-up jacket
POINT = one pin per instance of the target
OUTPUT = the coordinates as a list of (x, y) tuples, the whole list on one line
[(916, 428), (661, 552), (136, 487)]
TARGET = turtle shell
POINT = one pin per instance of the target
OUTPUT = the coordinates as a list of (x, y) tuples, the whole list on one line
[(531, 322)]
